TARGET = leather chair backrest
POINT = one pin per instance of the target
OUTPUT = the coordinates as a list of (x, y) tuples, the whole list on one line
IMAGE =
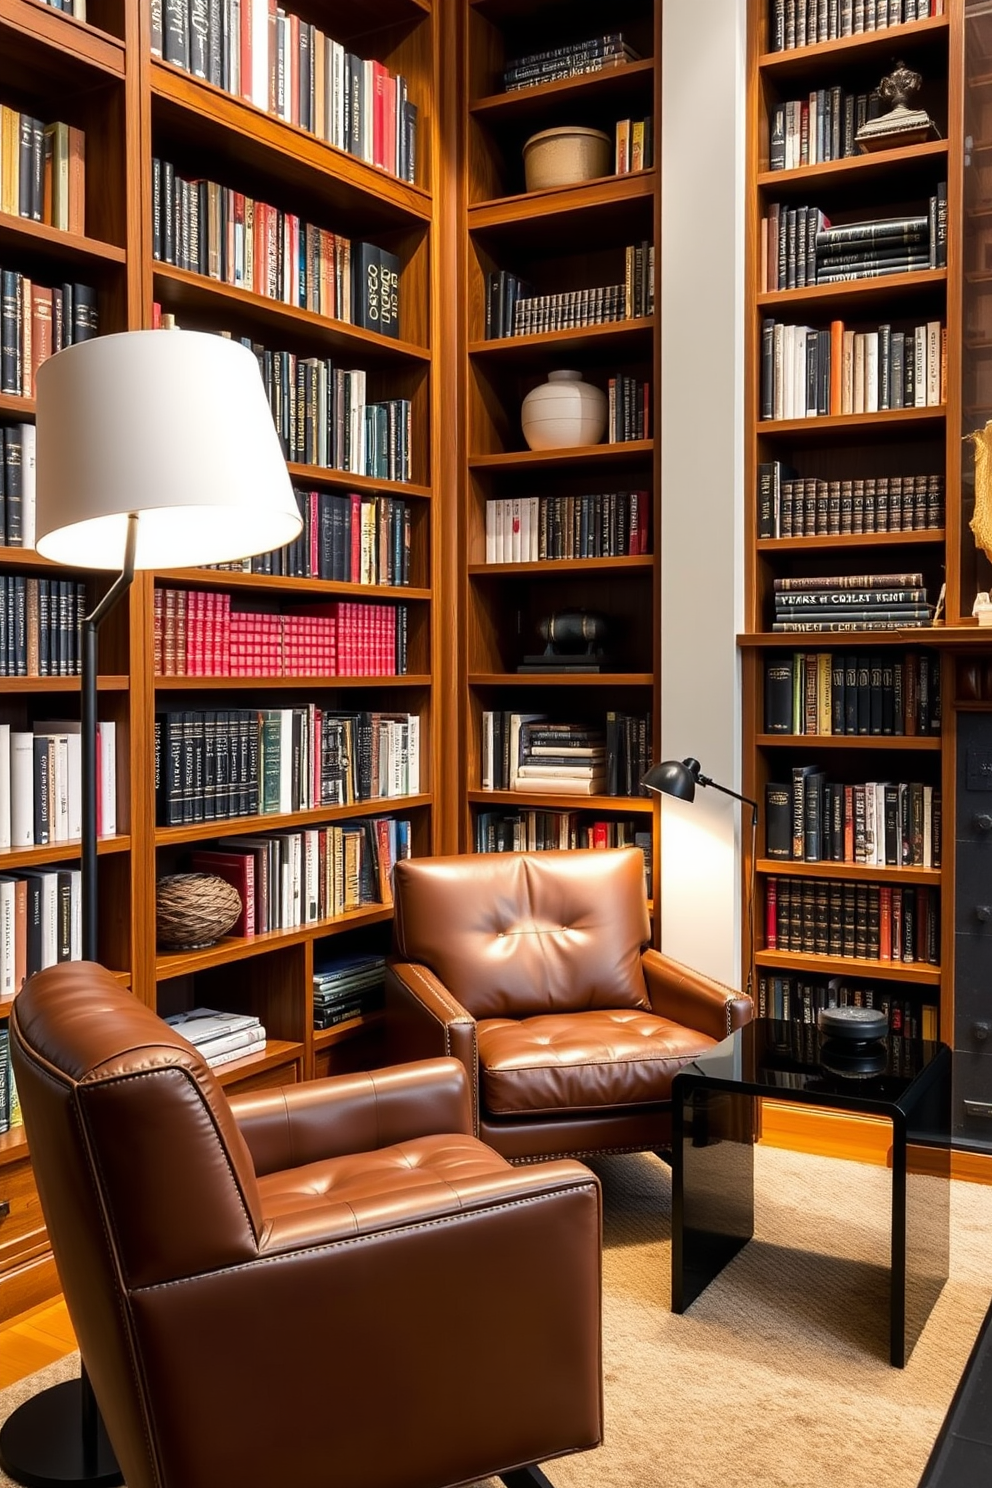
[(143, 1175), (514, 935)]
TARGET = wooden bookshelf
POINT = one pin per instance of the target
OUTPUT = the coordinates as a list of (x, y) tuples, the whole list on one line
[(559, 237), (132, 106), (952, 51)]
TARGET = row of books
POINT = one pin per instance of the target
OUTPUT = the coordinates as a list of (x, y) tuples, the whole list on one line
[(790, 505), (885, 602), (634, 146), (531, 529), (809, 373), (573, 758), (569, 60), (10, 1106), (351, 539), (347, 987), (865, 921), (819, 128), (41, 783), (880, 823), (839, 692), (42, 171), (75, 8), (799, 248), (291, 68), (551, 831), (17, 486), (628, 409), (797, 23), (197, 634), (39, 626), (40, 923), (288, 879), (216, 763), (797, 1000), (513, 308), (208, 229), (220, 1037), (37, 320)]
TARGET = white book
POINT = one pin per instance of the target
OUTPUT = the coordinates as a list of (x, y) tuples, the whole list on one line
[(244, 1053), (847, 373), (289, 83), (107, 752), (490, 531), (933, 364), (235, 1045), (778, 370), (7, 988), (76, 915), (311, 875), (358, 460), (21, 789), (920, 367), (880, 823), (487, 750), (413, 765), (28, 485), (516, 722), (515, 532), (234, 47), (858, 405), (789, 371), (260, 44), (4, 785), (870, 372), (535, 528), (902, 845), (49, 919), (285, 760), (524, 529), (337, 80), (870, 838), (199, 1025)]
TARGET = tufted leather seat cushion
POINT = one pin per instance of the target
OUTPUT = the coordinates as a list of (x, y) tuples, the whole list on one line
[(368, 1191), (582, 1061)]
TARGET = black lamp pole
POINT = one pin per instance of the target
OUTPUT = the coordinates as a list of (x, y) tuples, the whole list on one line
[(57, 1439), (679, 778)]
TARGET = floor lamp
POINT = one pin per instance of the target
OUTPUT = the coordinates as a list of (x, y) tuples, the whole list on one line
[(679, 778), (155, 449)]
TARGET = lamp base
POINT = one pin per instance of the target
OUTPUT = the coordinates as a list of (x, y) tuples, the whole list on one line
[(41, 1443)]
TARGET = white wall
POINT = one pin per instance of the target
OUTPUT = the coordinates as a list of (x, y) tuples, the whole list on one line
[(702, 480)]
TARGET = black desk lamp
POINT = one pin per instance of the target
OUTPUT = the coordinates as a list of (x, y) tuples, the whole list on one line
[(679, 778)]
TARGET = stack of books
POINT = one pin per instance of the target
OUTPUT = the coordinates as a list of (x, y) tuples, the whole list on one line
[(851, 602), (346, 988), (566, 61), (802, 248), (559, 757), (220, 1037)]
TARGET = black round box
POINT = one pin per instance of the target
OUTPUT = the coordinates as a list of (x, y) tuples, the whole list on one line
[(856, 1023)]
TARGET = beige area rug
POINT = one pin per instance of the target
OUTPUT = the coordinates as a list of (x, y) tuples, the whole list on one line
[(776, 1377)]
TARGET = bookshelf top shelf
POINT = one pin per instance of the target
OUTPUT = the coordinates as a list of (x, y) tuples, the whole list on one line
[(867, 46), (206, 118), (56, 852), (855, 169), (524, 104)]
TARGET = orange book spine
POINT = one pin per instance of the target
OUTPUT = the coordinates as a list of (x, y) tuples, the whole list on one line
[(77, 181), (836, 365)]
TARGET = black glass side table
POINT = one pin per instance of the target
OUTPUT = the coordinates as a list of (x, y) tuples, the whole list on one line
[(714, 1122)]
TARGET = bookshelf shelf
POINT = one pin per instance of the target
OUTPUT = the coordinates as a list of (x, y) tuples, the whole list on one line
[(85, 253), (64, 51), (13, 1144), (286, 584), (795, 868), (57, 852), (524, 104), (277, 1052), (319, 683), (923, 537), (609, 194), (632, 452), (624, 339), (561, 679), (869, 46), (233, 826), (854, 170), (324, 1038), (627, 805), (16, 408), (917, 972), (61, 684), (231, 948), (196, 113), (179, 290), (859, 294), (322, 475), (911, 742), (549, 567), (797, 640)]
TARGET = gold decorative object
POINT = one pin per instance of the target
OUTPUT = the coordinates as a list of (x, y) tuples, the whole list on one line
[(981, 522), (901, 125), (193, 910)]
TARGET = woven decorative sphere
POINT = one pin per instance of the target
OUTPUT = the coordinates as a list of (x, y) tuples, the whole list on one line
[(193, 910)]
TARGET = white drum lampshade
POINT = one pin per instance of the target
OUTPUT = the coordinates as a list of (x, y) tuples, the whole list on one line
[(171, 425)]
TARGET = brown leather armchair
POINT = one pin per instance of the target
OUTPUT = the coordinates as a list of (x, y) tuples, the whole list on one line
[(531, 969), (333, 1285)]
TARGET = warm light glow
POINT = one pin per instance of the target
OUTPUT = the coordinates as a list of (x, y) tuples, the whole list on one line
[(173, 425)]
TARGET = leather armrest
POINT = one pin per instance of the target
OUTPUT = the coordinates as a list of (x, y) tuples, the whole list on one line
[(692, 999), (344, 1114), (426, 1021)]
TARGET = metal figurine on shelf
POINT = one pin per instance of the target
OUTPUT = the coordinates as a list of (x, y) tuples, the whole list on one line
[(573, 639), (901, 125)]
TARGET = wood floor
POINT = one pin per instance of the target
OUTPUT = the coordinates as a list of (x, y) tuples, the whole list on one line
[(34, 1339)]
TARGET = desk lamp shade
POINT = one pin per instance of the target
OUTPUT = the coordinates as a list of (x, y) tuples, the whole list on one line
[(171, 425), (674, 778)]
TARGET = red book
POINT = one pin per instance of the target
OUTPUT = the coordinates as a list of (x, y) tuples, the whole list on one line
[(379, 74), (389, 123), (237, 869), (355, 561), (885, 922), (600, 834), (313, 513), (897, 924), (771, 914), (158, 622)]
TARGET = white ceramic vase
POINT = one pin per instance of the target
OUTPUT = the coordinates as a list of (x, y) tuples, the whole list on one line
[(563, 412)]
